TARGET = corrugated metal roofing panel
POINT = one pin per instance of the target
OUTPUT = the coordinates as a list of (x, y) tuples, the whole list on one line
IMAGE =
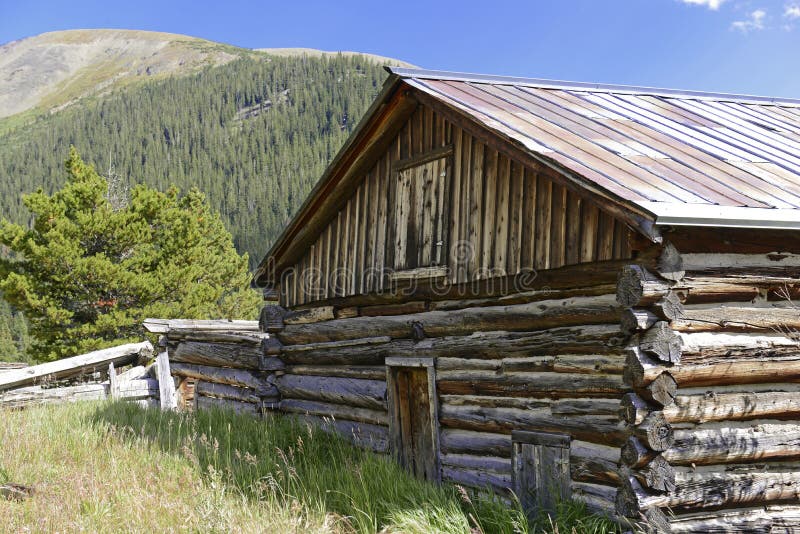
[(648, 146)]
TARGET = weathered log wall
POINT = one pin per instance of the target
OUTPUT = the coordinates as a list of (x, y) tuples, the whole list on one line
[(713, 359), (221, 364), (542, 360), (479, 212)]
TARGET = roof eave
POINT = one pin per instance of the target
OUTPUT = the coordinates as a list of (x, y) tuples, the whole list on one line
[(667, 214), (262, 276)]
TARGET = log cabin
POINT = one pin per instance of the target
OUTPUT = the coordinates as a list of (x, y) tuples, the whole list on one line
[(562, 289)]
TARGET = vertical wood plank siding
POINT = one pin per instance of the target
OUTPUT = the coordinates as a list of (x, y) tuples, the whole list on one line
[(494, 216)]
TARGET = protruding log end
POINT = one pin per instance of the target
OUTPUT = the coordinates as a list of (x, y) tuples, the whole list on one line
[(630, 285), (670, 307), (626, 501), (271, 318), (658, 475), (633, 409), (662, 390), (661, 342), (670, 263), (655, 432), (634, 454), (636, 320)]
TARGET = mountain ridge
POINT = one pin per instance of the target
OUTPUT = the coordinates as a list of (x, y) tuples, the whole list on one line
[(53, 70)]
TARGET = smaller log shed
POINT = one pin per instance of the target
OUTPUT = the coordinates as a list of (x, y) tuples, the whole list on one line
[(496, 274)]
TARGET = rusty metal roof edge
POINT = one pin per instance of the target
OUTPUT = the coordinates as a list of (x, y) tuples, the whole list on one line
[(673, 214), (589, 86)]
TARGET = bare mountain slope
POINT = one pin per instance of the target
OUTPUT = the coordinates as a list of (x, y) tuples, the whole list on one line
[(53, 69), (50, 71)]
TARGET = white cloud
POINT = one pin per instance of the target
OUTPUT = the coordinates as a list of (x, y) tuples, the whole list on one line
[(710, 4), (792, 12), (754, 22)]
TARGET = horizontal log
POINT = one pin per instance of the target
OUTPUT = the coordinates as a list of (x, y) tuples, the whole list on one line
[(477, 478), (767, 441), (782, 405), (336, 411), (700, 491), (563, 363), (760, 520), (234, 377), (548, 385), (33, 395), (165, 326), (523, 403), (372, 437), (77, 365), (523, 297), (137, 389), (495, 464), (518, 317), (599, 498), (212, 403), (452, 441), (569, 342), (738, 319), (604, 430), (254, 339), (348, 391), (402, 308), (309, 315), (781, 364), (225, 391), (364, 351), (218, 354), (367, 372)]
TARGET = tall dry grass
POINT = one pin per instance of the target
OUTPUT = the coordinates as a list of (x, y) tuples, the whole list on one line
[(114, 467)]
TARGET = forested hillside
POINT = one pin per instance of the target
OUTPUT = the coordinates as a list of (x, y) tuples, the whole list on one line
[(254, 135)]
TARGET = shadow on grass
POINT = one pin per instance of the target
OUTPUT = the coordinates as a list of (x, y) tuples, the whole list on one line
[(285, 460)]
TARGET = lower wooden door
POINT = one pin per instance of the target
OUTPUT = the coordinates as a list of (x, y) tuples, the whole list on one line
[(414, 421)]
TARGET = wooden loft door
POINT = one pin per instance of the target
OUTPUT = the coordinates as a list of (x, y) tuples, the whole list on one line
[(420, 211), (413, 416)]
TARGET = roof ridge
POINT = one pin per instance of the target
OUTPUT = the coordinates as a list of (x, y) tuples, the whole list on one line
[(589, 86)]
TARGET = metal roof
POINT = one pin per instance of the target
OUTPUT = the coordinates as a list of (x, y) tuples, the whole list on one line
[(666, 151), (675, 157)]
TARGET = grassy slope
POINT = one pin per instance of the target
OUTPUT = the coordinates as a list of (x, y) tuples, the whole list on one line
[(115, 467)]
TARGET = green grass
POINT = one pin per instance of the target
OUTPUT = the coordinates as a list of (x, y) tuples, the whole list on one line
[(111, 467)]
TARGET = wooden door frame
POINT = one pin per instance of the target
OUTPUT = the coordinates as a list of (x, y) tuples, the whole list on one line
[(395, 440)]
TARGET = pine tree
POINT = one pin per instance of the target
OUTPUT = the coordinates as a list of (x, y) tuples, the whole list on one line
[(89, 271)]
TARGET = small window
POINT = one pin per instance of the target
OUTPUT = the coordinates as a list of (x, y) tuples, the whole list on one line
[(421, 206)]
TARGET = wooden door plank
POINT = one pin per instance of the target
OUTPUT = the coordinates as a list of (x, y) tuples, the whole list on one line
[(476, 207), (544, 202), (515, 229), (454, 199), (573, 238), (558, 228), (489, 211), (531, 187), (589, 232), (503, 213)]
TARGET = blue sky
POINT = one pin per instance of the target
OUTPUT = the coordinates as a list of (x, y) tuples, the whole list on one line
[(748, 46)]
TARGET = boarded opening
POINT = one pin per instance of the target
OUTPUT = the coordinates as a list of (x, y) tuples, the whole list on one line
[(413, 425), (540, 470), (421, 207)]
